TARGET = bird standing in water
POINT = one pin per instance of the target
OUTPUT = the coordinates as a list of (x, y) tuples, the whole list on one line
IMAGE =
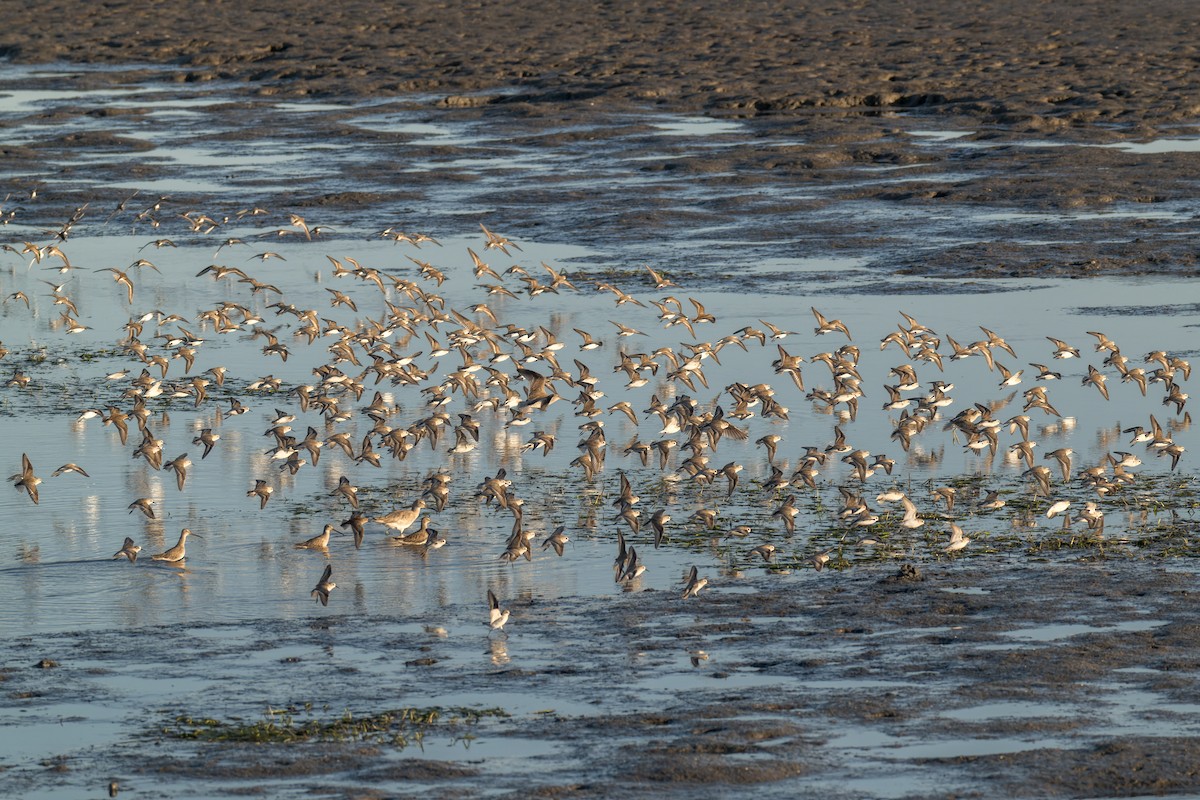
[(176, 553)]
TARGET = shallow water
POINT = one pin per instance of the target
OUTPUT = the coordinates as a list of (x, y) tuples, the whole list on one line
[(235, 630)]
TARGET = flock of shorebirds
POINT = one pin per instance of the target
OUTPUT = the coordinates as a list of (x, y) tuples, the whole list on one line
[(472, 369)]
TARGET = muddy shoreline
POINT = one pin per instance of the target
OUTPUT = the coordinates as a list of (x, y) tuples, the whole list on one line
[(1097, 66), (961, 681), (828, 97)]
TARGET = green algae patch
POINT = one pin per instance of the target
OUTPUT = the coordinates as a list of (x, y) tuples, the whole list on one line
[(399, 727)]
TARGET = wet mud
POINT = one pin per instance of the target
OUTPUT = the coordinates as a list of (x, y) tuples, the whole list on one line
[(1054, 680), (935, 142), (1100, 63), (932, 141)]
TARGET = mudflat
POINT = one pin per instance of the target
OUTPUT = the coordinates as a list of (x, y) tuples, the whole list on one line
[(1025, 65), (1080, 671), (1051, 107)]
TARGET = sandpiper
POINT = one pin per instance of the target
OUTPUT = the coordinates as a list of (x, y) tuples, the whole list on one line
[(1097, 379), (176, 553), (143, 504), (557, 540), (434, 541), (633, 568), (660, 282), (958, 540), (771, 443), (128, 550), (180, 466), (263, 490), (1062, 349), (766, 551), (1063, 456), (993, 501), (347, 490), (318, 542), (25, 479), (787, 512), (356, 523), (324, 586), (1057, 507), (402, 519), (208, 439), (497, 617), (910, 520), (418, 538), (658, 523), (693, 583), (830, 325), (496, 241)]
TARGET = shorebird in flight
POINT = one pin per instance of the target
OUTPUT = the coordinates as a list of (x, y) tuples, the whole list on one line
[(128, 550), (497, 617), (830, 325), (693, 583), (25, 479), (324, 586), (498, 242)]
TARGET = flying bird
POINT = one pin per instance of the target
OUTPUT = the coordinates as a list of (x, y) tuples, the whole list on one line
[(25, 479), (693, 584), (497, 617), (128, 550), (324, 586)]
